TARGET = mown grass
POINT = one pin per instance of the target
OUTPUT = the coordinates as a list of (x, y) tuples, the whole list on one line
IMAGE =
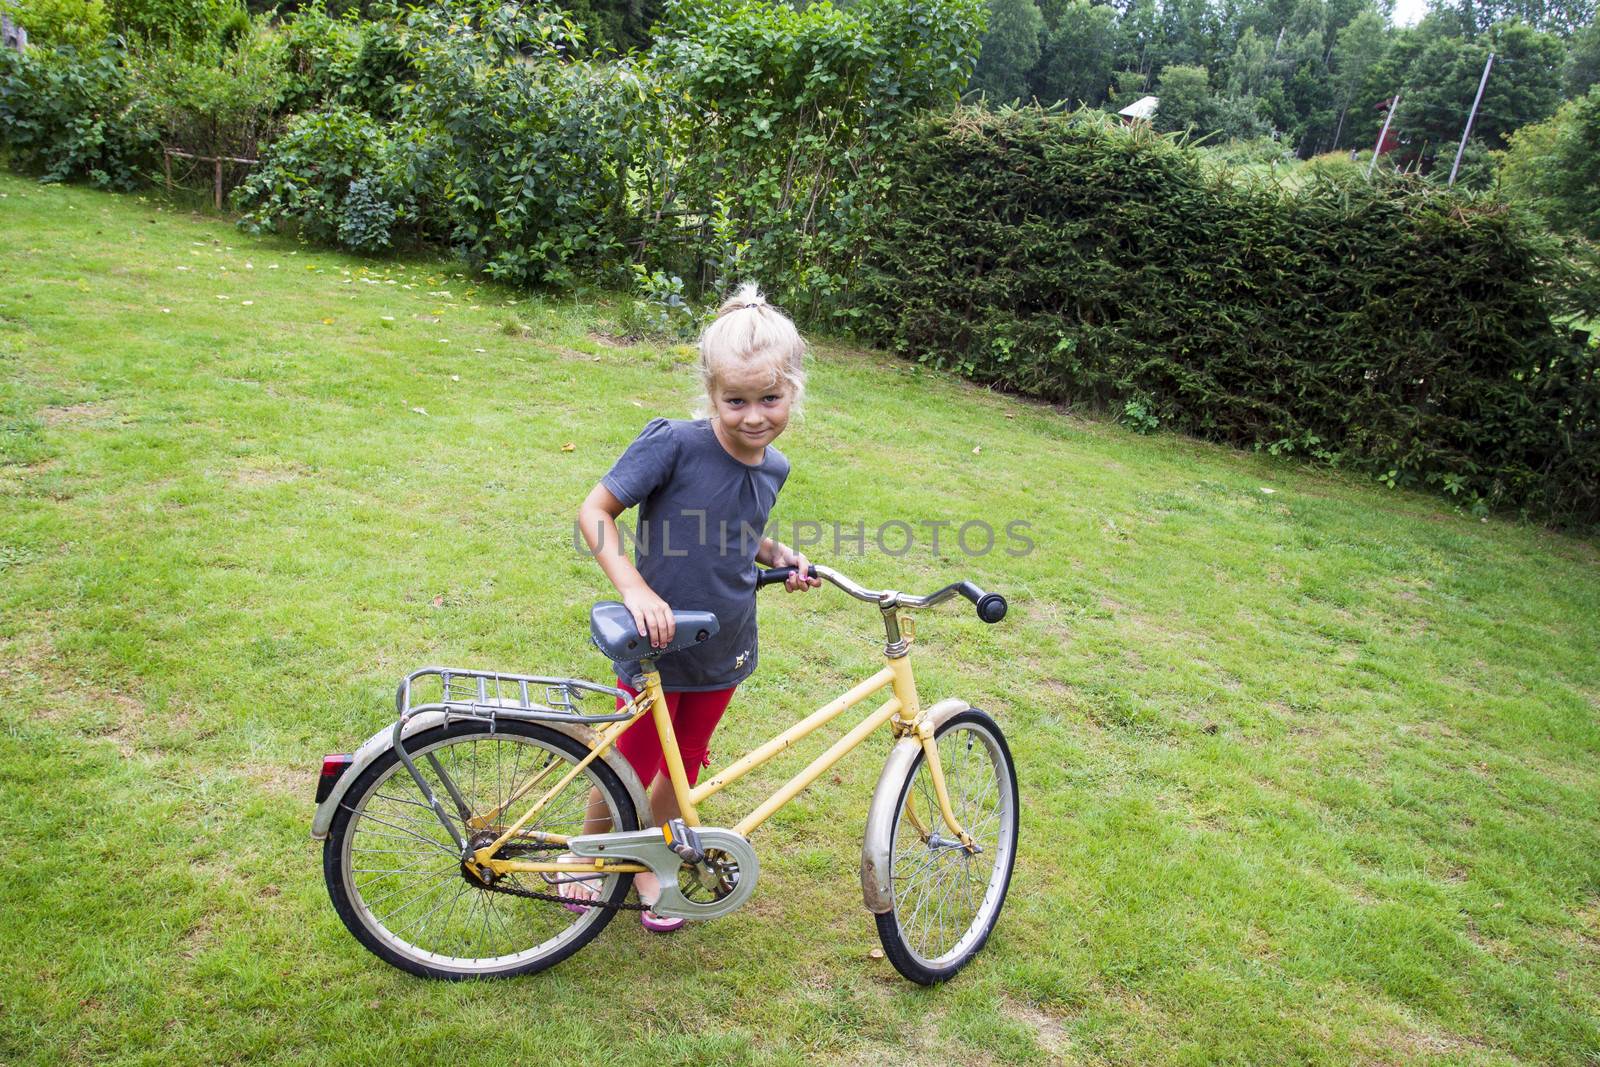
[(1309, 767)]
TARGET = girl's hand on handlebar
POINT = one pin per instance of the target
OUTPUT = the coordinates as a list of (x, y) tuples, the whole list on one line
[(796, 582), (651, 614)]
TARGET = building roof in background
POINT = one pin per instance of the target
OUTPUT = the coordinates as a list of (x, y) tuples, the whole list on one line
[(1142, 108)]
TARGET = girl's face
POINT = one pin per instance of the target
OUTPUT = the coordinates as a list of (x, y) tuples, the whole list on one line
[(750, 408)]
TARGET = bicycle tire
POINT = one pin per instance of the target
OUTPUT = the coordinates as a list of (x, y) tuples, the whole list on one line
[(483, 930), (981, 780)]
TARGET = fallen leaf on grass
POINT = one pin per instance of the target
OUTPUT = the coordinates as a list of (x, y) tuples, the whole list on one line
[(977, 449), (420, 411), (438, 601), (247, 303), (876, 954), (569, 447), (455, 377), (327, 322)]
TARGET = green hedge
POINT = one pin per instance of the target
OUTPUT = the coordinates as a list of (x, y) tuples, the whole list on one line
[(1393, 327)]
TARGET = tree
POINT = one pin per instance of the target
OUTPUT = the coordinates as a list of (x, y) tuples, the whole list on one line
[(1583, 60), (1523, 87), (1359, 46), (1185, 98), (1561, 17), (1555, 166), (1126, 87), (1076, 61), (1247, 67), (1010, 49)]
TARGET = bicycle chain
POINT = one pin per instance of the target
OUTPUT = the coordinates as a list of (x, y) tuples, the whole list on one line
[(534, 894)]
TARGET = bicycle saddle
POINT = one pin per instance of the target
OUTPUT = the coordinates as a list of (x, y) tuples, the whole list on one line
[(614, 632)]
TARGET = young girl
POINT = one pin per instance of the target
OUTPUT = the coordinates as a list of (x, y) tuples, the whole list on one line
[(704, 488)]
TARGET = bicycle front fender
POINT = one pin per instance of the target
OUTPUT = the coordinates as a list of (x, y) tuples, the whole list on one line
[(876, 890), (383, 740)]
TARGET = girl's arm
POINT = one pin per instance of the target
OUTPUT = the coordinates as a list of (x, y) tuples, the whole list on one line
[(777, 554), (597, 518)]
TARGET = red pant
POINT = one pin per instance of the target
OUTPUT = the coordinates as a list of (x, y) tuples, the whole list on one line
[(694, 716)]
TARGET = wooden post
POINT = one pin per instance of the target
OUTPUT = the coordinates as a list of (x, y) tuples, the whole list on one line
[(219, 183), (166, 166)]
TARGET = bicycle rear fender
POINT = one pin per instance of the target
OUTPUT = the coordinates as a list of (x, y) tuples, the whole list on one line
[(876, 890), (384, 740)]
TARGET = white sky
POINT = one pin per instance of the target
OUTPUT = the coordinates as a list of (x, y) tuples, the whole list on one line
[(1409, 12)]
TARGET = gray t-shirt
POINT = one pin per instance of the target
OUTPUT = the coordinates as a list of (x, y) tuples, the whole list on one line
[(702, 516)]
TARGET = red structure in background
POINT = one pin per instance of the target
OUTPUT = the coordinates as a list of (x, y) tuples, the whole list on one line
[(1391, 139)]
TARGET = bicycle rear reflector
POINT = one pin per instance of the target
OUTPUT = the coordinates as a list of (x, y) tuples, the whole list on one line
[(332, 768)]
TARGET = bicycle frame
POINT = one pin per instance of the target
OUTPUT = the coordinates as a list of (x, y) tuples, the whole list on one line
[(902, 711)]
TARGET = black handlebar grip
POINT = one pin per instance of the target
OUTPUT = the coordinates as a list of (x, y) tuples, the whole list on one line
[(991, 606), (780, 574)]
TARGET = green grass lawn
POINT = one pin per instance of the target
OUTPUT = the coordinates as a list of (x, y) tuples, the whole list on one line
[(1309, 767)]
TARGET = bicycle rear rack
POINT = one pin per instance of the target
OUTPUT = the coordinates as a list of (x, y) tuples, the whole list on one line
[(486, 694)]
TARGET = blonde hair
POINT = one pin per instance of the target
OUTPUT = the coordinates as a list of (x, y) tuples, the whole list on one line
[(747, 330)]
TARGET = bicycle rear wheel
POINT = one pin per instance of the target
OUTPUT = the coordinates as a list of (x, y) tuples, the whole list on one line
[(395, 875), (947, 898)]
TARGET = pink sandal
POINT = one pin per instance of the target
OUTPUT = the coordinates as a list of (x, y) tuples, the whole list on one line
[(660, 924)]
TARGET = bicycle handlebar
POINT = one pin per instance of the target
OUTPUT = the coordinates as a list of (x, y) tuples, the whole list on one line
[(991, 607)]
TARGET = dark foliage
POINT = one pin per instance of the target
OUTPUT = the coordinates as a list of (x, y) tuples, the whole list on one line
[(1392, 328), (64, 115)]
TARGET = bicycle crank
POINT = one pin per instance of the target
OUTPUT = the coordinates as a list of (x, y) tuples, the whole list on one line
[(719, 881)]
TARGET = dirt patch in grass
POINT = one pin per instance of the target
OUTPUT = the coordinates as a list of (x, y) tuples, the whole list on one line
[(77, 414), (610, 340), (1415, 1046), (265, 474), (1048, 1031), (197, 938)]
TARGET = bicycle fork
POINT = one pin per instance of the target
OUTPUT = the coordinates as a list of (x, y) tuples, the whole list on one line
[(910, 720)]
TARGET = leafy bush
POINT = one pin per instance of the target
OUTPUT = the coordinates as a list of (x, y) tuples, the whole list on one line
[(778, 118), (69, 115), (349, 61), (213, 99), (1394, 328), (1555, 166), (80, 24), (530, 153), (174, 23), (747, 142), (365, 217), (305, 180), (659, 309)]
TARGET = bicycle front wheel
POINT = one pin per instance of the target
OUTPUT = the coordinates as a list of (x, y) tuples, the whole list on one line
[(396, 877), (947, 897)]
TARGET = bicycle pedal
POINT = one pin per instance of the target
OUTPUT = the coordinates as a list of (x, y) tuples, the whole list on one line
[(682, 839)]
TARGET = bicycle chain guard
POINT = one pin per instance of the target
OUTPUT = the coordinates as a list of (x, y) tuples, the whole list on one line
[(650, 848)]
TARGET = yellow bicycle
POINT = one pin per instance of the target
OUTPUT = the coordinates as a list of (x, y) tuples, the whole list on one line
[(446, 835)]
